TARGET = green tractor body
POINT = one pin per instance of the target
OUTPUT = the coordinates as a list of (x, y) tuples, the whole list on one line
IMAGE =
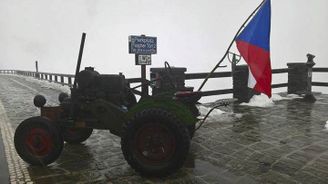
[(155, 132), (105, 102)]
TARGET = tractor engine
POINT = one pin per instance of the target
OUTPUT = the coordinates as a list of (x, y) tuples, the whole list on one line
[(91, 85), (93, 88)]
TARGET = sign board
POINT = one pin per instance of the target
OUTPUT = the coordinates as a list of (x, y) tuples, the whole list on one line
[(143, 45), (143, 59)]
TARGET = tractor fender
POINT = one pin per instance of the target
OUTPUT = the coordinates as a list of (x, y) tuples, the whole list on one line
[(178, 109)]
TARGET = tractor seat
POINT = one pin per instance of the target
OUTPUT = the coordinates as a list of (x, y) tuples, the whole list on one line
[(188, 96)]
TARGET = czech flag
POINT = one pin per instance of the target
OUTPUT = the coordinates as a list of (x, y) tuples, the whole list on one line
[(253, 44)]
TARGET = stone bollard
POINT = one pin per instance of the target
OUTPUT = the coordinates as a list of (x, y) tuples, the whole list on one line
[(241, 91), (300, 78)]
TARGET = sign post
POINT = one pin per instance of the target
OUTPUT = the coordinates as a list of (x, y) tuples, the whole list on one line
[(143, 47)]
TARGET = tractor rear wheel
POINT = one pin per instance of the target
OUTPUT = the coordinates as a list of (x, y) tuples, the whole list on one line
[(76, 135), (38, 141), (155, 143)]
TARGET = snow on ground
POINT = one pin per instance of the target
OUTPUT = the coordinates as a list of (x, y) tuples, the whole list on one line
[(47, 84), (256, 101), (259, 101), (264, 101), (293, 96), (215, 115), (204, 110), (326, 125), (276, 97)]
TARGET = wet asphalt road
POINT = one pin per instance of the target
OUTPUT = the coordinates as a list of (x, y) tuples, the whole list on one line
[(286, 143)]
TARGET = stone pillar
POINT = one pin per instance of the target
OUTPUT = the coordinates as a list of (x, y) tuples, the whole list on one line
[(241, 91), (300, 78)]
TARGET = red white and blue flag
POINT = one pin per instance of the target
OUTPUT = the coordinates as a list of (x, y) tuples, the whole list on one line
[(253, 44)]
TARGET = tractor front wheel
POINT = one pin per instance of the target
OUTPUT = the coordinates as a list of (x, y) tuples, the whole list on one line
[(38, 141), (155, 143), (76, 135)]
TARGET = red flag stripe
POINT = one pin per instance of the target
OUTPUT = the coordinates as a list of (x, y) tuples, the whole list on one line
[(258, 59)]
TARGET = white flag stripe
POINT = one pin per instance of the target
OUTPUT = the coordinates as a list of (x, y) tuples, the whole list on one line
[(251, 79)]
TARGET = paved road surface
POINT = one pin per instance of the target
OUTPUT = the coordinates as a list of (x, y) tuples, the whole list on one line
[(286, 143), (4, 175)]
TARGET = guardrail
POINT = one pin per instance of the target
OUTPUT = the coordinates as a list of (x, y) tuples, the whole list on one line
[(7, 71), (68, 79), (320, 70), (64, 79), (193, 76)]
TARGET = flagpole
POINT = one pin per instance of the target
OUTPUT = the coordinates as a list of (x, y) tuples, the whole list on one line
[(227, 51)]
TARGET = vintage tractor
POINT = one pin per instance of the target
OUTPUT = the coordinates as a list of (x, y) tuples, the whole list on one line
[(155, 132)]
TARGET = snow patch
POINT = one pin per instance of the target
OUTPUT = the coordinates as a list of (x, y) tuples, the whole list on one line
[(293, 96), (48, 85), (326, 125), (264, 101), (238, 115), (204, 110), (259, 101), (214, 115), (276, 98)]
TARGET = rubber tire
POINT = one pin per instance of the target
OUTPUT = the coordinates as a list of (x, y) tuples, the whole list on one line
[(81, 135), (165, 118), (49, 127)]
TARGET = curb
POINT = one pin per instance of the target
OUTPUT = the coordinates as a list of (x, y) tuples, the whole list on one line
[(18, 172)]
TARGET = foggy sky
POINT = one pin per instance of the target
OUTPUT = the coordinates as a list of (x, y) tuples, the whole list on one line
[(192, 34)]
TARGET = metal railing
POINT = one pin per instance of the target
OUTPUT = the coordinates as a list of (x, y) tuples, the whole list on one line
[(68, 79), (193, 76), (320, 70), (7, 71), (64, 79)]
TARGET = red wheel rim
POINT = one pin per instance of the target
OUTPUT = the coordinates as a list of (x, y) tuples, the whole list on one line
[(38, 142), (155, 143)]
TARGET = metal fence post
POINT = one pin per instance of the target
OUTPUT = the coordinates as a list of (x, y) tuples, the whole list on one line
[(62, 80), (69, 80)]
